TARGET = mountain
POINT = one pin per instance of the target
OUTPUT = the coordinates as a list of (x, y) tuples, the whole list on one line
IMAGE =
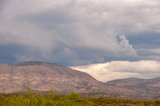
[(43, 77), (147, 88)]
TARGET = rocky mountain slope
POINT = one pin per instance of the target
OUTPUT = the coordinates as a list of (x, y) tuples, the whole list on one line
[(147, 88), (43, 77)]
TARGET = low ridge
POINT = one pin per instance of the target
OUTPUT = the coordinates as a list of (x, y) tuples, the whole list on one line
[(147, 88)]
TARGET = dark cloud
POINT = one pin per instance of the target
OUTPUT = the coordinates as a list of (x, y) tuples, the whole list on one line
[(73, 32), (147, 44), (2, 4), (8, 53), (17, 53), (145, 39)]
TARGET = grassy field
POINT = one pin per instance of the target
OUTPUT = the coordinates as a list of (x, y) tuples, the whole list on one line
[(72, 99)]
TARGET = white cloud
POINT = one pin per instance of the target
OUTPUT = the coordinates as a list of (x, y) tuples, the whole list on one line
[(78, 25), (122, 69)]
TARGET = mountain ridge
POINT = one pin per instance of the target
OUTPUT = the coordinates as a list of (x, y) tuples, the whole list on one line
[(148, 87), (43, 77)]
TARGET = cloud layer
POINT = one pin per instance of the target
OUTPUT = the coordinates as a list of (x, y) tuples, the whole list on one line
[(122, 69), (74, 32)]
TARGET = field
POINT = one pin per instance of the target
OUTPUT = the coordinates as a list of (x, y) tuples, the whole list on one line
[(72, 99)]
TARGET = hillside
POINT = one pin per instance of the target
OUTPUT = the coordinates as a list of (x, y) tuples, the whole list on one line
[(43, 77), (144, 87)]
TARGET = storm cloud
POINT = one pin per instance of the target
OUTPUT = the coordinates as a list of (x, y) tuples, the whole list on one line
[(75, 32)]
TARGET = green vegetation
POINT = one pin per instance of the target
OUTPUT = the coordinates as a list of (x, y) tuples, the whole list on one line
[(72, 99)]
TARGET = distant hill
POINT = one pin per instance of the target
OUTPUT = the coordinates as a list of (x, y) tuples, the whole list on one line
[(43, 77), (149, 88)]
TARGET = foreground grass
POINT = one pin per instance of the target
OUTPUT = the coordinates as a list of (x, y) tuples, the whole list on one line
[(71, 99)]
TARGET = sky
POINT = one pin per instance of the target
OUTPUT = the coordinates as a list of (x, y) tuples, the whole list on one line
[(79, 32), (143, 69)]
